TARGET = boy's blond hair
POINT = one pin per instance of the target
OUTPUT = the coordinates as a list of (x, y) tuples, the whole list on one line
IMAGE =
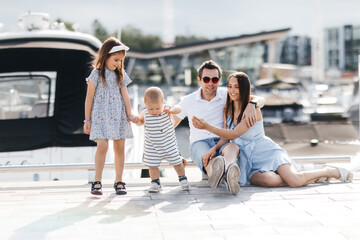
[(153, 94)]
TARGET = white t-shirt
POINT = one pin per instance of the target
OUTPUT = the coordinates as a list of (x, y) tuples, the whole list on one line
[(211, 111)]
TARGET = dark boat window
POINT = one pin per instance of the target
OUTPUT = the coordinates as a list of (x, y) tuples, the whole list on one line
[(28, 95)]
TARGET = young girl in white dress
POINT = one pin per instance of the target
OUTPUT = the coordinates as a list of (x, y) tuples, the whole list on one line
[(108, 110)]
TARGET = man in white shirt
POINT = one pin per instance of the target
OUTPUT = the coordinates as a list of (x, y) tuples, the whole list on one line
[(208, 103)]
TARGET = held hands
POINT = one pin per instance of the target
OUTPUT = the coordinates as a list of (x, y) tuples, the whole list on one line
[(208, 156), (133, 118), (170, 110), (249, 115)]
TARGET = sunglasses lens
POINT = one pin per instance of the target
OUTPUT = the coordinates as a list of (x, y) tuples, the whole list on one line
[(206, 79), (215, 80)]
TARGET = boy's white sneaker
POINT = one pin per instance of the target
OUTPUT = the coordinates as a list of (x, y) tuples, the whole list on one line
[(154, 188), (184, 184)]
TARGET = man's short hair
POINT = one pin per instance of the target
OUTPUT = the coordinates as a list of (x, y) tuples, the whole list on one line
[(210, 64)]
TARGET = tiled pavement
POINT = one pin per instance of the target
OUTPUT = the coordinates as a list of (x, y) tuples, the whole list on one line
[(66, 210)]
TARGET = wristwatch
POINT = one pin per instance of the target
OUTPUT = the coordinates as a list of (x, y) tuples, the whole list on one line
[(253, 102)]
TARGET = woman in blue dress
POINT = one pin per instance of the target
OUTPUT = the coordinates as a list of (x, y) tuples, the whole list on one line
[(261, 161)]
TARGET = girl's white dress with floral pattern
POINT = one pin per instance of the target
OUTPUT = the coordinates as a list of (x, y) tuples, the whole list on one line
[(108, 115)]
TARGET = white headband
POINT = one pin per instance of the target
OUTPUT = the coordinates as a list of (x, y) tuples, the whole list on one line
[(119, 48)]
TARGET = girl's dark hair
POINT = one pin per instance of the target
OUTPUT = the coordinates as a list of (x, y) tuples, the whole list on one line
[(244, 92), (103, 55), (210, 64)]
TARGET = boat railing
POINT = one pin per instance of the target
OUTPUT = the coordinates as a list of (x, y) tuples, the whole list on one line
[(139, 165)]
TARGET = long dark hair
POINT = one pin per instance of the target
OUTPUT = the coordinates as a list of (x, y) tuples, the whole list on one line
[(244, 92), (103, 55)]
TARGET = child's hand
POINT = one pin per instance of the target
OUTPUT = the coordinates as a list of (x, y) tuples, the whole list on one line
[(133, 118), (184, 162), (172, 109), (87, 127), (169, 111)]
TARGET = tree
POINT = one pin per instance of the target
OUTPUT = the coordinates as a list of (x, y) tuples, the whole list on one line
[(179, 40), (99, 31), (135, 39), (68, 25)]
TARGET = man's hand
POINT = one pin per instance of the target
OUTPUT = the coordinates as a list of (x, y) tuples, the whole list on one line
[(249, 115)]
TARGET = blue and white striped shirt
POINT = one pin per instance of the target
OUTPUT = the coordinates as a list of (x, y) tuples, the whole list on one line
[(160, 140)]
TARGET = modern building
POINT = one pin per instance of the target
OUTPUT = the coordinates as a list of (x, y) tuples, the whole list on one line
[(341, 48), (296, 50), (177, 65)]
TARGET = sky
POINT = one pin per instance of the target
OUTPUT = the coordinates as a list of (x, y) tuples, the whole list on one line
[(207, 18)]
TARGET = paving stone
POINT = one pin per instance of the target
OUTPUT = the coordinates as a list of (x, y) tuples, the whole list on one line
[(66, 210)]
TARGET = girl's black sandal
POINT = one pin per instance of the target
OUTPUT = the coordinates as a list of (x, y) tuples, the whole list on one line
[(120, 190), (96, 190)]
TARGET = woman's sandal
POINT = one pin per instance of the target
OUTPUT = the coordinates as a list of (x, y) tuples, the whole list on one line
[(345, 175), (323, 180), (120, 190), (96, 190)]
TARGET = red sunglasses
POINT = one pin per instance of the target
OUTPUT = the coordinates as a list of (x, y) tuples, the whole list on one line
[(214, 79)]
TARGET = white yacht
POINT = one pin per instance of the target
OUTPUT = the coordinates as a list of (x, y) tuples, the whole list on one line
[(42, 92)]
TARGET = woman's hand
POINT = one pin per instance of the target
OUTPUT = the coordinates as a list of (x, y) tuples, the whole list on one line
[(208, 156), (199, 123)]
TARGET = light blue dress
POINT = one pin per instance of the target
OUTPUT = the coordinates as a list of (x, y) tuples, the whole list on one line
[(108, 115), (258, 153)]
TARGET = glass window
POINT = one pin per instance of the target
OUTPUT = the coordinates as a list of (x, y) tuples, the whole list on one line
[(347, 34), (29, 95), (356, 33)]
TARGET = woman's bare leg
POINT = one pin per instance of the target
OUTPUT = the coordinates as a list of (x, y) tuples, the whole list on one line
[(230, 153), (267, 179), (297, 179)]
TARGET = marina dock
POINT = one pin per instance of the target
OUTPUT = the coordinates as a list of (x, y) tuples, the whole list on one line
[(66, 210)]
